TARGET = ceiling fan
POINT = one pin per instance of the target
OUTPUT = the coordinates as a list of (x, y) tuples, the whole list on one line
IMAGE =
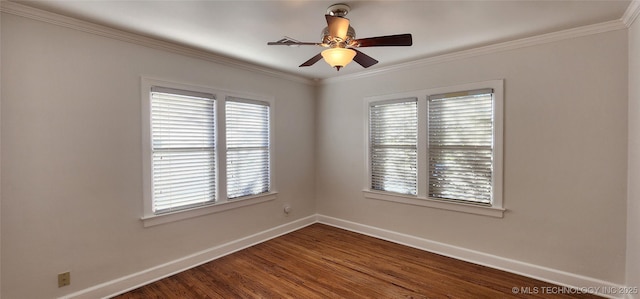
[(340, 39)]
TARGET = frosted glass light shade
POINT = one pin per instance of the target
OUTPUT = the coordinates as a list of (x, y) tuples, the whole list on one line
[(338, 57)]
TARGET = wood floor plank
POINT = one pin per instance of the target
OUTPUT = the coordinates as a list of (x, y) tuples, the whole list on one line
[(321, 261)]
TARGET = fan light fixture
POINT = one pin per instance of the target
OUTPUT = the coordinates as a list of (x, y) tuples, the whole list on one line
[(338, 57)]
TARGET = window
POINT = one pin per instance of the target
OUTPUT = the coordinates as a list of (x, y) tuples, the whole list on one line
[(183, 149), (247, 147), (393, 144), (440, 148), (204, 150), (461, 145)]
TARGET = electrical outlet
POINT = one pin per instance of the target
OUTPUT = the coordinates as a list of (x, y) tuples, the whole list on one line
[(64, 279)]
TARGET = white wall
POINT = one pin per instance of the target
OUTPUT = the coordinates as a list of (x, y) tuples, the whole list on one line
[(633, 209), (565, 155), (71, 158)]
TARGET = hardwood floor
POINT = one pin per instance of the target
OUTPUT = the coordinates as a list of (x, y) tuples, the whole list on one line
[(321, 261)]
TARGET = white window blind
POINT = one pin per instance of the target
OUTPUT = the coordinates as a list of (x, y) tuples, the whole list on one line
[(183, 149), (247, 128), (393, 146), (460, 146)]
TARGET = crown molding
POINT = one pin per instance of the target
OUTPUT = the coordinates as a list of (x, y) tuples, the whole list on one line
[(484, 50), (631, 14), (105, 31)]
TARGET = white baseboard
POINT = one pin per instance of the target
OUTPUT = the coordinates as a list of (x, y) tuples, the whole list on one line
[(562, 278), (135, 280)]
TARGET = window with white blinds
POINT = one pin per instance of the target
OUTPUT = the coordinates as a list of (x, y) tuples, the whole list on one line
[(393, 146), (183, 149), (460, 146), (247, 135), (439, 147), (204, 150)]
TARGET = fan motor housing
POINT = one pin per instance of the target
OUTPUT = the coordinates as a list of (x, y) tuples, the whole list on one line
[(331, 40)]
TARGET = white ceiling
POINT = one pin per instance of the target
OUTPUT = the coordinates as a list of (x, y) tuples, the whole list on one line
[(241, 29)]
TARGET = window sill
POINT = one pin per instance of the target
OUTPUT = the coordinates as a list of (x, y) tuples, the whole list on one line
[(435, 203), (152, 220)]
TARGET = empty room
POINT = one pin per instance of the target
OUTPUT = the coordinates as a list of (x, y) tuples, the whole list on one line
[(320, 149)]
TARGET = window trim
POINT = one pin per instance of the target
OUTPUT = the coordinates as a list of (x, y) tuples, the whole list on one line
[(495, 209), (222, 203)]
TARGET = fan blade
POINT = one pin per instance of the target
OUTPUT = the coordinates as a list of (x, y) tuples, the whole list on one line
[(338, 26), (293, 44), (312, 61), (385, 41), (363, 59)]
